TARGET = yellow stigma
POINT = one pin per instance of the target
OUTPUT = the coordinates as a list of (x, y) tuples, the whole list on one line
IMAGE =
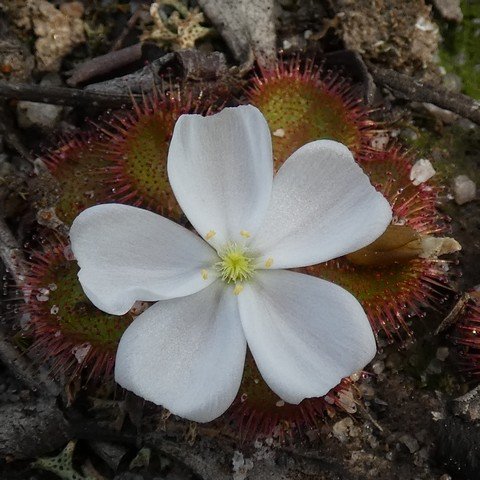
[(235, 266)]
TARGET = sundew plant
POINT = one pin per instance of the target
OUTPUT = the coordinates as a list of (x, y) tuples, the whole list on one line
[(238, 262)]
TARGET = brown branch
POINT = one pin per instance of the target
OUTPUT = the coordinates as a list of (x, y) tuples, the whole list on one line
[(64, 96), (22, 368), (104, 64), (408, 88)]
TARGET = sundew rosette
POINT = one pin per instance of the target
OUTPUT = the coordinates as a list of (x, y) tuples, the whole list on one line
[(399, 275), (302, 103), (77, 165), (122, 159), (136, 148), (228, 286), (67, 331)]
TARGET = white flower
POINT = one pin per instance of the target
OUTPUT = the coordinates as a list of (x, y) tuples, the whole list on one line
[(217, 293)]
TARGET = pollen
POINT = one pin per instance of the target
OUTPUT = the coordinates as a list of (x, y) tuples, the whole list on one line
[(245, 233), (210, 234), (268, 262), (235, 265), (204, 273)]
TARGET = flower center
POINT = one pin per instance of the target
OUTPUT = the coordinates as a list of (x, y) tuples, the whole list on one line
[(235, 265)]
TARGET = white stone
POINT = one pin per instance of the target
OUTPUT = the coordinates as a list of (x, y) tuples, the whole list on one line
[(464, 189), (241, 466), (347, 401), (41, 115), (442, 353), (380, 141), (81, 351), (421, 171), (378, 367), (343, 429)]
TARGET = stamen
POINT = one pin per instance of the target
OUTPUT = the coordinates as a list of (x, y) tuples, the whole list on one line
[(269, 262), (238, 289), (210, 234)]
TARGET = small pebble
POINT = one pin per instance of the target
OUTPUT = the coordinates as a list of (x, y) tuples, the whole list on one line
[(343, 429), (452, 82), (434, 367), (380, 141), (72, 9), (378, 367), (465, 124), (410, 442), (421, 171), (445, 116), (464, 189), (409, 135), (442, 353), (452, 11), (41, 115), (279, 132)]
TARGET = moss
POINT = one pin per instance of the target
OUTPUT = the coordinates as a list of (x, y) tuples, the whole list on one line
[(454, 150), (460, 51)]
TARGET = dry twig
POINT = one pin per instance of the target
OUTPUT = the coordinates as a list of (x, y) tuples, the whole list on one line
[(64, 96), (410, 89)]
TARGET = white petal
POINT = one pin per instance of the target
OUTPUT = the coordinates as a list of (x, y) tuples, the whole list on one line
[(221, 169), (186, 354), (128, 254), (305, 334), (323, 206)]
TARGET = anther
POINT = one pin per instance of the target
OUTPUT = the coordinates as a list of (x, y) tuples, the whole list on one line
[(204, 274), (210, 234), (245, 233), (269, 262), (238, 289)]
